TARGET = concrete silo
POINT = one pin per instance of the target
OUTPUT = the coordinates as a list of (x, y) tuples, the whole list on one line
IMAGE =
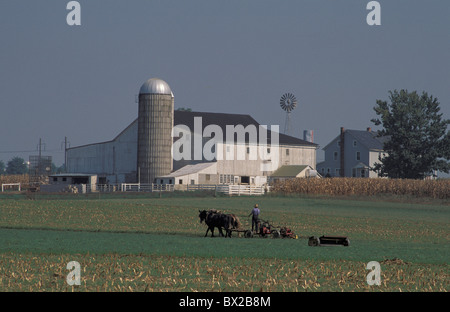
[(155, 123)]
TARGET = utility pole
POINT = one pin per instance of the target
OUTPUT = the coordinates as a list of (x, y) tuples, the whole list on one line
[(65, 154), (39, 159)]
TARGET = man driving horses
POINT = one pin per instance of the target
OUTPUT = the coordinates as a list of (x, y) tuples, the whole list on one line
[(255, 217)]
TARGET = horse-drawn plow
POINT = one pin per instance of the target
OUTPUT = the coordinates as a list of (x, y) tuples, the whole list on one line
[(231, 224), (266, 229)]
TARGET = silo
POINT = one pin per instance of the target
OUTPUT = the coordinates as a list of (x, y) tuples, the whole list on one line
[(308, 135), (155, 123)]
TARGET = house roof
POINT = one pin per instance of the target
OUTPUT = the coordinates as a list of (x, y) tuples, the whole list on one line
[(360, 165), (369, 139), (189, 169), (289, 170)]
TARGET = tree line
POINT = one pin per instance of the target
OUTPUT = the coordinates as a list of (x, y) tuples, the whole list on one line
[(18, 165)]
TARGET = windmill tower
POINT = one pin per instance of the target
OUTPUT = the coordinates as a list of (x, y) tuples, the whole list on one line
[(288, 102)]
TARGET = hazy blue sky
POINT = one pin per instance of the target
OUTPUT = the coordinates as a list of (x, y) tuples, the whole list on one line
[(236, 56)]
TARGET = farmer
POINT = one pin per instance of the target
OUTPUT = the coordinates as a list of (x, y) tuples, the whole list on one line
[(255, 216)]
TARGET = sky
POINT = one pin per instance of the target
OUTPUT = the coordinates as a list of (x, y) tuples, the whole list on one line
[(229, 56)]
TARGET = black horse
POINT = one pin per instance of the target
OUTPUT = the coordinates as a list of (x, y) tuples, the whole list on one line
[(216, 219), (212, 220)]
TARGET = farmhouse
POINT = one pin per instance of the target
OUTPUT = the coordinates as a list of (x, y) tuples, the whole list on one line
[(352, 153), (170, 146)]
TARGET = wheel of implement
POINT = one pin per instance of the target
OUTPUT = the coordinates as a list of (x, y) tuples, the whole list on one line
[(275, 234), (313, 241), (248, 234), (347, 242)]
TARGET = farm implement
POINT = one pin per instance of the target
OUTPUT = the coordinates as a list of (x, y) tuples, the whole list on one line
[(266, 229), (328, 241)]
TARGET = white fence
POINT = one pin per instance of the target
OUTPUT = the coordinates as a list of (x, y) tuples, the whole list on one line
[(140, 187), (10, 184), (230, 189), (242, 190), (126, 187)]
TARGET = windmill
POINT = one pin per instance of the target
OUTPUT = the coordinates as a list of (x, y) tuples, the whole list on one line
[(288, 102)]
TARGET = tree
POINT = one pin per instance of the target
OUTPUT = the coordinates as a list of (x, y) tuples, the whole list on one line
[(419, 142), (2, 167), (16, 166)]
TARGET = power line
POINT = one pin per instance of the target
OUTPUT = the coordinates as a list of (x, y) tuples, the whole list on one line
[(7, 152)]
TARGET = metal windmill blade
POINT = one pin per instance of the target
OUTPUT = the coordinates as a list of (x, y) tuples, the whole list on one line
[(288, 102)]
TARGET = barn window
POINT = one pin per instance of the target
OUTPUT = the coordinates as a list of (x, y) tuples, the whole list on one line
[(287, 152), (180, 181)]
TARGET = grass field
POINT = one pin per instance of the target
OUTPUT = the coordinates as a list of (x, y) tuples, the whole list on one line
[(143, 243)]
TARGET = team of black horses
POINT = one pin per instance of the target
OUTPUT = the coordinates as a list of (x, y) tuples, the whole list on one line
[(216, 219)]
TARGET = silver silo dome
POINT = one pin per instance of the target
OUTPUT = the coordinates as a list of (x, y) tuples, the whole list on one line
[(155, 123)]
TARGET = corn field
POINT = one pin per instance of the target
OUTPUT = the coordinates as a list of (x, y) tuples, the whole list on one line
[(23, 179), (361, 186)]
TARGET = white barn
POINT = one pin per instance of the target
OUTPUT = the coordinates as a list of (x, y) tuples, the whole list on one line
[(234, 148)]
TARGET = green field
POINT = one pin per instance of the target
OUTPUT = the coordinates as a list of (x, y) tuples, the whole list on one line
[(145, 243)]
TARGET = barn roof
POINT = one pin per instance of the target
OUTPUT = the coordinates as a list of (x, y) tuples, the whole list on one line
[(289, 170), (224, 119), (189, 169)]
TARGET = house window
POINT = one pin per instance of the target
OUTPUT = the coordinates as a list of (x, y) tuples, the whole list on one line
[(64, 179), (358, 155), (363, 173), (338, 143), (335, 155), (208, 177), (248, 150), (228, 149), (323, 170), (287, 152), (354, 172), (337, 172), (354, 143), (180, 181)]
